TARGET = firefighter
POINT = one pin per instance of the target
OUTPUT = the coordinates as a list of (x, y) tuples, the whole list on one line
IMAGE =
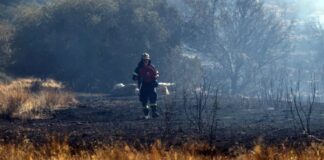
[(146, 75)]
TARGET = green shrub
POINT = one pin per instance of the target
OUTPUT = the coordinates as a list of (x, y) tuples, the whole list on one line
[(92, 44)]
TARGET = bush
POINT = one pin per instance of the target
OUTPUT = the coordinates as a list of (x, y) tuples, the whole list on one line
[(90, 44), (20, 99)]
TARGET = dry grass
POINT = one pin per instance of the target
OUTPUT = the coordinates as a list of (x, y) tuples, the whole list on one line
[(32, 98), (121, 151)]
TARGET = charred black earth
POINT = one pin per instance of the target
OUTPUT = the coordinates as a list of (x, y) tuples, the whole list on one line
[(102, 119)]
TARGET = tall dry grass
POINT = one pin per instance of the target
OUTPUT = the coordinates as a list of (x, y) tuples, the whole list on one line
[(32, 98), (122, 151)]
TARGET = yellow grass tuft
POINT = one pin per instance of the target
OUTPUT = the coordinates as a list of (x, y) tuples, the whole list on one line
[(34, 84), (32, 98)]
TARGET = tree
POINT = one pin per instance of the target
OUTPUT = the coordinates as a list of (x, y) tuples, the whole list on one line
[(8, 2), (199, 27), (243, 37), (313, 45), (6, 32), (90, 44)]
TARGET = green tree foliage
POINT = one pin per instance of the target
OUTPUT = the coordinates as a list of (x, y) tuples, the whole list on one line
[(6, 32), (8, 2), (92, 44)]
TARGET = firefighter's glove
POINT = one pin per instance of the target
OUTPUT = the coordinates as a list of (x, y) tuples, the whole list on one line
[(135, 78)]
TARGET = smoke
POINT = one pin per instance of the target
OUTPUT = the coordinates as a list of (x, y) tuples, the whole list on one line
[(300, 10), (309, 9)]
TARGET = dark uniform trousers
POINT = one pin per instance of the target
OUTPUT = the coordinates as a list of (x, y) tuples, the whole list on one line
[(148, 94)]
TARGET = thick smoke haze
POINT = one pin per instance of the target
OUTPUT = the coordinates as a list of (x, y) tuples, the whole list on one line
[(246, 46), (309, 8)]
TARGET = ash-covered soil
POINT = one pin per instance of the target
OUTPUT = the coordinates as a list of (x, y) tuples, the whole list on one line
[(101, 119)]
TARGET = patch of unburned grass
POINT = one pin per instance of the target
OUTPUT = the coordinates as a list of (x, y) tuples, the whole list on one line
[(157, 151), (32, 98)]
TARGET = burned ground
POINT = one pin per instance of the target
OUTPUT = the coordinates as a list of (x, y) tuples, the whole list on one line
[(101, 119)]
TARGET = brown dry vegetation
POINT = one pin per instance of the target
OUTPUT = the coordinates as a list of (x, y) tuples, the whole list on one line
[(190, 151), (32, 98), (35, 98)]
